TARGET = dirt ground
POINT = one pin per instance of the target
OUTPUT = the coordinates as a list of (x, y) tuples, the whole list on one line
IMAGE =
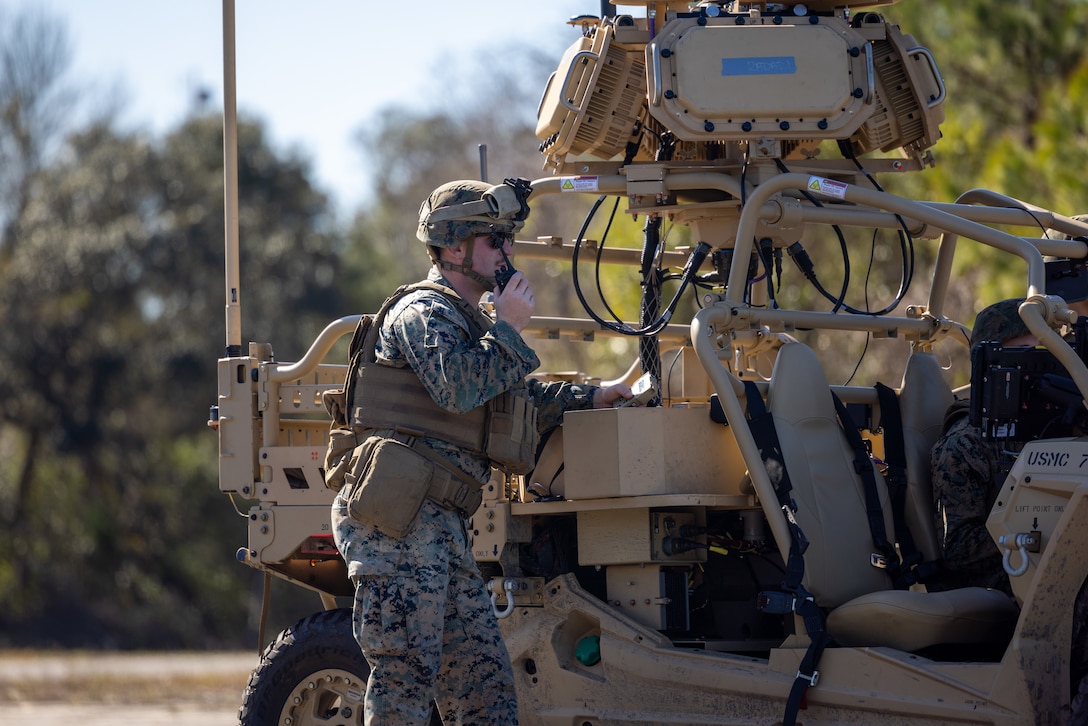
[(108, 689)]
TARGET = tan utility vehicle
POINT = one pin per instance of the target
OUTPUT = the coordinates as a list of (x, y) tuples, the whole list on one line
[(738, 551)]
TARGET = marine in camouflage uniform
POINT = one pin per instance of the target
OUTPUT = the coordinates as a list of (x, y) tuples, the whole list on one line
[(421, 615), (968, 471)]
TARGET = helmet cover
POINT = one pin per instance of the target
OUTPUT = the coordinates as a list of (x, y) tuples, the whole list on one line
[(451, 230), (999, 322)]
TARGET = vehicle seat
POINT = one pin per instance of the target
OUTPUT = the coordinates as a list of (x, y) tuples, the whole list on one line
[(923, 399), (830, 497), (831, 512), (547, 477)]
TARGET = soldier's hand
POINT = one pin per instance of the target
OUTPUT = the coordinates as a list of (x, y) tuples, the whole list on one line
[(516, 303), (606, 397)]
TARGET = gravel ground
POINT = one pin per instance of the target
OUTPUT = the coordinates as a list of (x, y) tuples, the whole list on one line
[(104, 689)]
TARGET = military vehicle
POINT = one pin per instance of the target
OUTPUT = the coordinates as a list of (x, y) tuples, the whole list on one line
[(739, 551)]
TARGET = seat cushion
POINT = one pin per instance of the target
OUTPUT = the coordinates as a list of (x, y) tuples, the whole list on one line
[(910, 620)]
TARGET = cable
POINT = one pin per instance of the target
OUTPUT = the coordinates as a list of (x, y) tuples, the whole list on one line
[(668, 378), (694, 261), (797, 254), (906, 244), (600, 253), (906, 240), (868, 335), (687, 275)]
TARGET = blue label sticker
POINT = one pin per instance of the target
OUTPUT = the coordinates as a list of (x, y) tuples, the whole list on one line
[(769, 66)]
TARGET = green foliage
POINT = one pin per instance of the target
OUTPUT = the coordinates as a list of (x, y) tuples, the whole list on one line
[(1017, 117), (111, 301)]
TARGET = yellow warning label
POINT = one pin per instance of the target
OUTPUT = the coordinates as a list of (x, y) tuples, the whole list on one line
[(828, 187), (578, 184)]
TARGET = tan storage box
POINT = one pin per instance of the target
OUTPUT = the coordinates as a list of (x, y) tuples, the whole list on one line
[(629, 452)]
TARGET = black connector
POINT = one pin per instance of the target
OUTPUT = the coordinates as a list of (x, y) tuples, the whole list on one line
[(695, 261), (802, 260), (678, 545)]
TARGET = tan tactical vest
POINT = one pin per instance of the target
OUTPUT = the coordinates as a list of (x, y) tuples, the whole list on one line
[(383, 397)]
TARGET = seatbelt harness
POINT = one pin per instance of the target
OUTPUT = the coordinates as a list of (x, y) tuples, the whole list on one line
[(895, 456), (796, 598), (885, 557)]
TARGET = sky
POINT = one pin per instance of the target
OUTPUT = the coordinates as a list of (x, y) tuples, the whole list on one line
[(314, 72)]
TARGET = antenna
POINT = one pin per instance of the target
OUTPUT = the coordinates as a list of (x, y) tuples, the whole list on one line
[(230, 186)]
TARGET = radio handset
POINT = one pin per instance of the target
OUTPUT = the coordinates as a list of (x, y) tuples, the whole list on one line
[(505, 272)]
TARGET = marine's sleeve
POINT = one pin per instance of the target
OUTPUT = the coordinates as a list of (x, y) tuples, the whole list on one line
[(460, 373), (553, 398)]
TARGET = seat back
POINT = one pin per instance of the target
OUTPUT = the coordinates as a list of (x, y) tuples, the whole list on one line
[(831, 511), (829, 493), (923, 399)]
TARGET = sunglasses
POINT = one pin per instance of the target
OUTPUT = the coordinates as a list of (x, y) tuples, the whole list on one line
[(498, 238)]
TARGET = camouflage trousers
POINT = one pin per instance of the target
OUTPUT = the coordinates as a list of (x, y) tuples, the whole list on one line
[(425, 623)]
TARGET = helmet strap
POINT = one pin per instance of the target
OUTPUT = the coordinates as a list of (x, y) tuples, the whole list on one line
[(465, 268)]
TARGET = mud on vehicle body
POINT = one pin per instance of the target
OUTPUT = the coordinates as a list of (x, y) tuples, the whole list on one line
[(747, 551)]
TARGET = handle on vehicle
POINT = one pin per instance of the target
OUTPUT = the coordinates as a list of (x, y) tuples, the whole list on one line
[(924, 52), (570, 72)]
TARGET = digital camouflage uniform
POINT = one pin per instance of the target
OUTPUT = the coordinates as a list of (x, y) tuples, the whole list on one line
[(967, 474), (968, 471), (422, 616)]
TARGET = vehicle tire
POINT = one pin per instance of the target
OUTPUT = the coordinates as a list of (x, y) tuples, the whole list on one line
[(312, 673)]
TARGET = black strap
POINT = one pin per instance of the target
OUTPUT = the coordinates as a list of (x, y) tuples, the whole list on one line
[(807, 674), (863, 465), (761, 424), (895, 455), (799, 600)]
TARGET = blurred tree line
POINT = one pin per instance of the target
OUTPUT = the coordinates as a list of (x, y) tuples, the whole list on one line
[(111, 293)]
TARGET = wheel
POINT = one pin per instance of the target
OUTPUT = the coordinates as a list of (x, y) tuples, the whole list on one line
[(312, 673)]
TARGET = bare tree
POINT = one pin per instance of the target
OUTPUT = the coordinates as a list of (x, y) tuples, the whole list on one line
[(35, 55)]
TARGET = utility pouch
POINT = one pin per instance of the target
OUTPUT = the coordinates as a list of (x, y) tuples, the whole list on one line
[(387, 484), (339, 455), (512, 437)]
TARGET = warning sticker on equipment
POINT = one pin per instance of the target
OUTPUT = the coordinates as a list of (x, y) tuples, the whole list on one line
[(578, 184), (828, 187)]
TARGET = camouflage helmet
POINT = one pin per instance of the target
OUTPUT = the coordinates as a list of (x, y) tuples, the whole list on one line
[(999, 322), (459, 210)]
